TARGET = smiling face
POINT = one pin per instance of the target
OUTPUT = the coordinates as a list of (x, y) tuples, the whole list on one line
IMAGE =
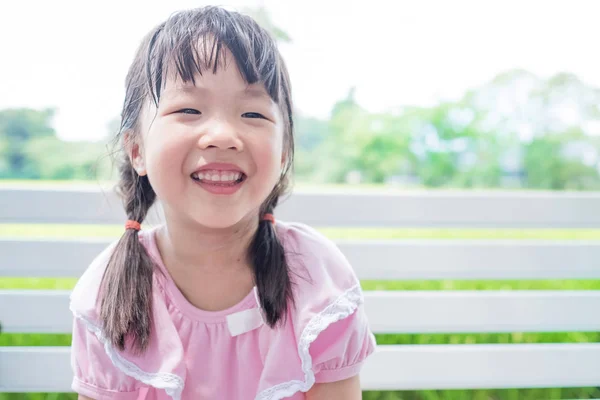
[(213, 150)]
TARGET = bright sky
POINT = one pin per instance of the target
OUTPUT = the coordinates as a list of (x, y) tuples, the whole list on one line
[(74, 55)]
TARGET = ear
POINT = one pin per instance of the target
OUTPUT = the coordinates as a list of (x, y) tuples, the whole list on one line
[(135, 152)]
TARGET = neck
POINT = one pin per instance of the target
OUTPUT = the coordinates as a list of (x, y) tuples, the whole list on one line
[(191, 248)]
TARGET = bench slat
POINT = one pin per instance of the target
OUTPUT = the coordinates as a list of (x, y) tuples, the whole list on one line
[(483, 311), (472, 259), (409, 367), (348, 207), (421, 367), (33, 311), (371, 259)]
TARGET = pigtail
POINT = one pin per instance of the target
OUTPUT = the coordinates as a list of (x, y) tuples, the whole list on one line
[(271, 270), (126, 288)]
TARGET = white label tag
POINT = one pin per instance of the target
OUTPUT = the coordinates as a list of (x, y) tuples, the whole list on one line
[(244, 321)]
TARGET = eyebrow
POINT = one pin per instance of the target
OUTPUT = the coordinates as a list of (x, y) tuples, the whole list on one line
[(253, 91), (249, 91)]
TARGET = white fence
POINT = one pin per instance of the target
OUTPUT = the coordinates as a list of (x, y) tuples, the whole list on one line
[(399, 367)]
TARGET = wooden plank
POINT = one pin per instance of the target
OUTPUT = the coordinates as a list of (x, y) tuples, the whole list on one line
[(472, 259), (35, 369), (482, 311), (350, 207), (35, 311), (371, 259), (87, 204), (407, 367), (50, 258), (420, 367), (31, 311)]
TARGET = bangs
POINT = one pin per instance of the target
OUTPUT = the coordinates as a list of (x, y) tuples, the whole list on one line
[(196, 43)]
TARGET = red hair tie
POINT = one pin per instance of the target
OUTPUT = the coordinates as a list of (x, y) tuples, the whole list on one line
[(269, 217), (131, 224)]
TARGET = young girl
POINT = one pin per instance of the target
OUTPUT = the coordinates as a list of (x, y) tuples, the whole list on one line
[(222, 301)]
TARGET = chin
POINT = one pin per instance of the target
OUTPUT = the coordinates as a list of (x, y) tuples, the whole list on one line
[(221, 220)]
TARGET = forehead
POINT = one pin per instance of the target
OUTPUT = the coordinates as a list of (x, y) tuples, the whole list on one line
[(221, 75), (212, 86)]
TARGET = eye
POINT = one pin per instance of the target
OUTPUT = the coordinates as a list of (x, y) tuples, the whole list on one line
[(189, 111), (253, 115)]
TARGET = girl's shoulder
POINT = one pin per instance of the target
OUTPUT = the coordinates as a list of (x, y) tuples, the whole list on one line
[(320, 271), (85, 292), (83, 299), (313, 258)]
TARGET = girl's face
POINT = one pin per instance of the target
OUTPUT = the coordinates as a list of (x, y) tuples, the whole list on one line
[(214, 151)]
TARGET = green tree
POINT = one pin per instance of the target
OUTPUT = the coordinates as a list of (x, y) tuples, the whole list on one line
[(340, 151), (377, 146), (309, 135), (55, 159), (17, 128), (385, 148), (554, 162)]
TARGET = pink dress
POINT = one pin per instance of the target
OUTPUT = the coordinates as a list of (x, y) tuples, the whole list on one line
[(230, 354)]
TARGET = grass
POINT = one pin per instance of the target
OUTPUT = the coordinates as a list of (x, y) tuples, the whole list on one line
[(102, 231), (298, 185), (113, 231)]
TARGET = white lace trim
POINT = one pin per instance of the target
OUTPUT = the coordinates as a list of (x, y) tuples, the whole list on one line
[(171, 383), (341, 308)]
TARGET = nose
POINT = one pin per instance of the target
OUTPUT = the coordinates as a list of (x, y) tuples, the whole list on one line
[(219, 133)]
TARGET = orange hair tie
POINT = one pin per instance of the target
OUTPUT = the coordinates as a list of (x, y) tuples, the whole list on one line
[(131, 224), (269, 217)]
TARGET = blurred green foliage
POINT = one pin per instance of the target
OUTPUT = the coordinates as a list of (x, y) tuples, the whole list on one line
[(30, 149), (517, 131)]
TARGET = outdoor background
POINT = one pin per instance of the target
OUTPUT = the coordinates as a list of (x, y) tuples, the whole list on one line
[(391, 95)]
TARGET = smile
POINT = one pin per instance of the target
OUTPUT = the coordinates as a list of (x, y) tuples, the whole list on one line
[(215, 176), (219, 182)]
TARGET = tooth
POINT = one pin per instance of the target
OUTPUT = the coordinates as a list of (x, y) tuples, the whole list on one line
[(200, 175), (238, 175), (215, 178), (231, 176)]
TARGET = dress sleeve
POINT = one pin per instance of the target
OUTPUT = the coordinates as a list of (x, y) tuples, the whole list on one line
[(95, 376), (339, 352)]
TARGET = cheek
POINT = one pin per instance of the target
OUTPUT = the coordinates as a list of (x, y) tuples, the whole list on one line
[(268, 159), (164, 161)]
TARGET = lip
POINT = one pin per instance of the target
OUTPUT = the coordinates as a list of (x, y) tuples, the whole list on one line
[(220, 167), (217, 188)]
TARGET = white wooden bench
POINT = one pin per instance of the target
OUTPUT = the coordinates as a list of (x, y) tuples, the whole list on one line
[(393, 367)]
